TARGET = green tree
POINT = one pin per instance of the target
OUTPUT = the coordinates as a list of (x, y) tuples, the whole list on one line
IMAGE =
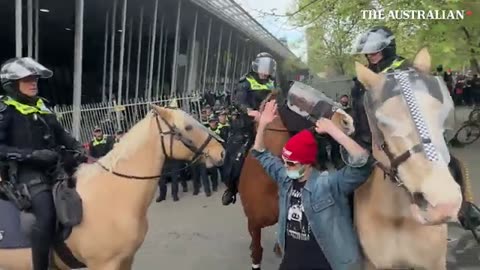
[(334, 24)]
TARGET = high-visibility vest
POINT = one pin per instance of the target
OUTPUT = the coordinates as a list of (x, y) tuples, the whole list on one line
[(102, 141), (256, 86), (25, 109), (395, 64)]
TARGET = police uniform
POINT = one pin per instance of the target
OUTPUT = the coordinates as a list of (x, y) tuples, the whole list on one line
[(172, 169), (101, 147), (390, 62), (250, 93), (29, 136)]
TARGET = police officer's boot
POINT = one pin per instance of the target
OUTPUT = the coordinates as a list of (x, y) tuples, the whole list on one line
[(162, 194), (229, 197)]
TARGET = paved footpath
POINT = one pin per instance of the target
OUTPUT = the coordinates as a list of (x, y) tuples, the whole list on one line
[(198, 233)]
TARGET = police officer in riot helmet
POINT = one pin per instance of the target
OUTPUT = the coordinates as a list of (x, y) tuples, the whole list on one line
[(30, 137), (379, 47), (252, 89)]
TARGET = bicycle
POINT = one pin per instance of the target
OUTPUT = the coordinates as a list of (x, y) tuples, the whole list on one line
[(474, 115), (469, 132)]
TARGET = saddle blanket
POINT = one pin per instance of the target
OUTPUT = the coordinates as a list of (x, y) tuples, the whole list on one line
[(11, 236)]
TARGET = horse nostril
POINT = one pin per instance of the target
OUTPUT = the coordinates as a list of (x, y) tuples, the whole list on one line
[(420, 201), (222, 155)]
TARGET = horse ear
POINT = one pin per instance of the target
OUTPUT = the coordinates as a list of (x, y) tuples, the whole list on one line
[(163, 112), (368, 78), (423, 61)]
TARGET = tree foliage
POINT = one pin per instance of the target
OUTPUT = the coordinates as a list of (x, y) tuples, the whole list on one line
[(333, 25)]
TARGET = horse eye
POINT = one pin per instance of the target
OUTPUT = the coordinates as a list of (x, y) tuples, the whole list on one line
[(188, 127)]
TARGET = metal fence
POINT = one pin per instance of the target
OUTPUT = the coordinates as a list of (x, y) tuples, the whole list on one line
[(112, 117)]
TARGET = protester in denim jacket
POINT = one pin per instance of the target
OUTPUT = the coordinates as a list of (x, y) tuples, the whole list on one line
[(315, 226)]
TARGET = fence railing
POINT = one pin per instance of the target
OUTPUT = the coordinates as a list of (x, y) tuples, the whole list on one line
[(112, 117)]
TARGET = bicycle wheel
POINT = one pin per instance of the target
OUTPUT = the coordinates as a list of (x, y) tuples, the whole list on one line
[(467, 134), (474, 116)]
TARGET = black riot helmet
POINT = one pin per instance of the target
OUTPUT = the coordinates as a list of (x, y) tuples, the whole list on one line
[(264, 63), (376, 39)]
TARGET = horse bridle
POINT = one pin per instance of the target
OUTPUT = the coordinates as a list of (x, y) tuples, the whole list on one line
[(392, 170), (175, 134), (425, 144)]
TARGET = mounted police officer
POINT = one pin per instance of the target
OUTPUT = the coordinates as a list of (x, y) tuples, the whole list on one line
[(379, 47), (29, 135), (252, 89)]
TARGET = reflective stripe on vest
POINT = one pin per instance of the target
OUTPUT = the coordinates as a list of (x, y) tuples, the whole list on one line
[(395, 64), (220, 125), (256, 86), (103, 141), (28, 109)]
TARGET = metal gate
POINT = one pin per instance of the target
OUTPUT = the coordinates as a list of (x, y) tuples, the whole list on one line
[(112, 117)]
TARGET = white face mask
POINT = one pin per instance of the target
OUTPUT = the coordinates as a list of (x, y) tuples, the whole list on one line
[(296, 174)]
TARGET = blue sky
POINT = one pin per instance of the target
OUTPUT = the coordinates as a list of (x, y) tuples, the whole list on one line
[(279, 27)]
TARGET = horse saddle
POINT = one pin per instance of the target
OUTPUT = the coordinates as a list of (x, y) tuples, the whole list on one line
[(16, 228)]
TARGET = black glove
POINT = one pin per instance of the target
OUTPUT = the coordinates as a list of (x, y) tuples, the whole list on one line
[(81, 155), (44, 157)]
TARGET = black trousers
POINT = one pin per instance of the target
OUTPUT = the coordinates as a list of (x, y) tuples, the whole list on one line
[(200, 178), (43, 230), (173, 171)]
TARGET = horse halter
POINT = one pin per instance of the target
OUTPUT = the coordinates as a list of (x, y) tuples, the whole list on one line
[(176, 134), (425, 145)]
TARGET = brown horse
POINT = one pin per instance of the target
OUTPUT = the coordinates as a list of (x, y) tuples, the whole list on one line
[(400, 212), (115, 223), (259, 193)]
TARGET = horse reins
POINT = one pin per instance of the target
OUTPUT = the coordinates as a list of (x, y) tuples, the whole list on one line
[(174, 133)]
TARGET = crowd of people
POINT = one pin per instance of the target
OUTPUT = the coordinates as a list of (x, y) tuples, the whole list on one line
[(464, 88)]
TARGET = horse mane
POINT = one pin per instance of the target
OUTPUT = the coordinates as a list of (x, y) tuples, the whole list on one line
[(127, 145), (273, 95)]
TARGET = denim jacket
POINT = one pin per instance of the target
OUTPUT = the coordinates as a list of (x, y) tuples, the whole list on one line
[(325, 200)]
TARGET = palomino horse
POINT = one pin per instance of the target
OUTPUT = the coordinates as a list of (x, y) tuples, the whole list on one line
[(115, 205), (259, 193), (401, 211)]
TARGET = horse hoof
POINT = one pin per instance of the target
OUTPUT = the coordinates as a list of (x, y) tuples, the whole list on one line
[(256, 267)]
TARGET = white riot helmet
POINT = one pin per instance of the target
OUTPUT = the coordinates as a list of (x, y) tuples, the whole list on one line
[(265, 64), (18, 68)]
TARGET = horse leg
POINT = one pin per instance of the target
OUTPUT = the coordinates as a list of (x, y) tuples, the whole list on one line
[(369, 265), (110, 265), (127, 264), (256, 245)]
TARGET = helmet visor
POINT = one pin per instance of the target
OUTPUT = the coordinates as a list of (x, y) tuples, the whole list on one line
[(22, 68), (372, 42), (265, 65)]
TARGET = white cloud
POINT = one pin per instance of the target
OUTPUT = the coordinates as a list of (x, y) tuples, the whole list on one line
[(278, 26)]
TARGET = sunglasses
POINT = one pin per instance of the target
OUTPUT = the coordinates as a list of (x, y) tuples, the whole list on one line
[(290, 163)]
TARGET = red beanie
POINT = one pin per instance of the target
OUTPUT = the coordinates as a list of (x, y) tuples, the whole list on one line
[(301, 148)]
